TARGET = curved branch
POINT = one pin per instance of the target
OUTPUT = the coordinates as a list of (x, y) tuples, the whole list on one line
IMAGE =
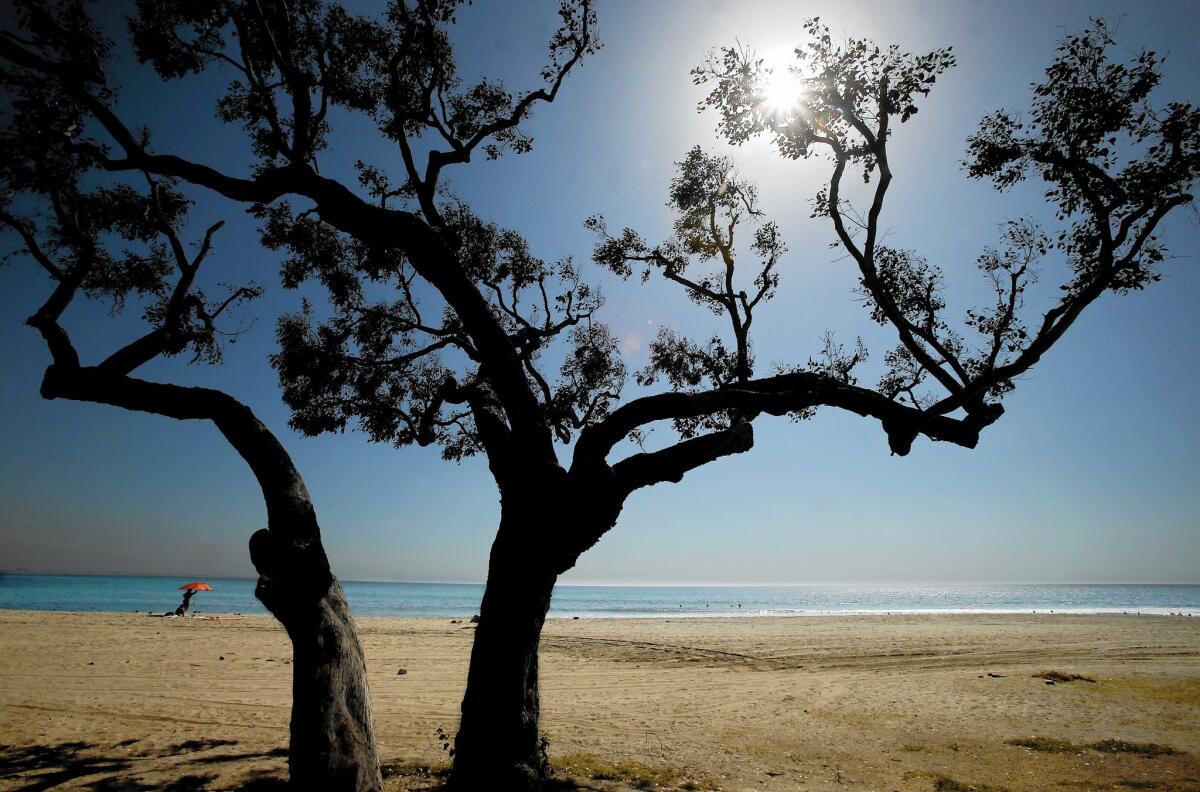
[(865, 258), (288, 504), (671, 463), (780, 395), (32, 246)]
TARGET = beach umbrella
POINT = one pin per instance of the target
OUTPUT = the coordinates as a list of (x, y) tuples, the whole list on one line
[(189, 590)]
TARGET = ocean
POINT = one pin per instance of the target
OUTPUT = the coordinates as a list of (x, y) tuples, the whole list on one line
[(234, 595)]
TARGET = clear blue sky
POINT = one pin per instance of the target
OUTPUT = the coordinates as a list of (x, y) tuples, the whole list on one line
[(1092, 475)]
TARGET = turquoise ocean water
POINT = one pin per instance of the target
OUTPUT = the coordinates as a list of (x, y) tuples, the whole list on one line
[(232, 595)]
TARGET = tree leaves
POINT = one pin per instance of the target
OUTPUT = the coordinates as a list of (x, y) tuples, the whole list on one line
[(848, 89), (1089, 115)]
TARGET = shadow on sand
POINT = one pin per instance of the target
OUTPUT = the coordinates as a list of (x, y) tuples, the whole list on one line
[(189, 766), (185, 767)]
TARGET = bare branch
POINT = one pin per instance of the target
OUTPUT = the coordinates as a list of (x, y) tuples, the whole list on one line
[(31, 245)]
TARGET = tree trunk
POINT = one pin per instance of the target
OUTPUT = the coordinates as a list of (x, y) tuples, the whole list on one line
[(332, 737), (498, 745), (332, 743)]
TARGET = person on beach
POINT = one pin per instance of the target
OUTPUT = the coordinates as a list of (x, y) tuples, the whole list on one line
[(187, 601)]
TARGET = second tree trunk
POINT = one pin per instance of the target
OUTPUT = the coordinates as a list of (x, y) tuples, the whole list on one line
[(498, 744)]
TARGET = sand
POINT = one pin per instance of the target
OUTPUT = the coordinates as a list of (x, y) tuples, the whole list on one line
[(122, 701)]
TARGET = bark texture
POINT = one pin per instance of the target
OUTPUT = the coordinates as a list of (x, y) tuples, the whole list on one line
[(332, 736)]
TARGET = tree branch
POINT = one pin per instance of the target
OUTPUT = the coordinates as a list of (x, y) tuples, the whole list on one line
[(1060, 318), (289, 507), (32, 246), (462, 152), (671, 463), (780, 395)]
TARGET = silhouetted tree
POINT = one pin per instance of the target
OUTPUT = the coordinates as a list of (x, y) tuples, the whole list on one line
[(113, 242), (439, 324), (1088, 116)]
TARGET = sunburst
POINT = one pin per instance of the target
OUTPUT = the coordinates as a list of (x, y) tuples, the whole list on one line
[(781, 93)]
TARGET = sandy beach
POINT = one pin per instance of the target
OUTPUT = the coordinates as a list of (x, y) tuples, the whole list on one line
[(122, 701)]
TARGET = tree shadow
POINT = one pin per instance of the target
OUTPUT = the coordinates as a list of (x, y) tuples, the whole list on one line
[(443, 784), (184, 767), (263, 781), (46, 766), (236, 757), (187, 783), (415, 776), (187, 767), (199, 745)]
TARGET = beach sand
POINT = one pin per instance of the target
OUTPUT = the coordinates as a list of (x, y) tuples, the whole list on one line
[(122, 701)]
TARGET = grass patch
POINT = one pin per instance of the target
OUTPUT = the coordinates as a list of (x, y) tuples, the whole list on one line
[(1055, 745), (635, 774), (1150, 750), (947, 784), (1059, 676), (943, 783), (916, 747), (1181, 692), (1046, 745), (409, 769)]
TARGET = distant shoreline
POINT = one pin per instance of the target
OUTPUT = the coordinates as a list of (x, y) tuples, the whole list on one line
[(652, 618), (956, 583), (142, 594)]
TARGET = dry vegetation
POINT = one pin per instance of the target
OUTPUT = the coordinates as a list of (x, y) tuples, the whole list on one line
[(1054, 745), (1059, 676)]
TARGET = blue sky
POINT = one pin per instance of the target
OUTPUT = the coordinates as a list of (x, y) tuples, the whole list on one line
[(1092, 475)]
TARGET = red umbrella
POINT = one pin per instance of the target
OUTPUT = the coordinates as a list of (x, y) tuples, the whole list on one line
[(195, 586)]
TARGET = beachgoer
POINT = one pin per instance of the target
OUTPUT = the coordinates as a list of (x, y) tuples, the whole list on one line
[(187, 600)]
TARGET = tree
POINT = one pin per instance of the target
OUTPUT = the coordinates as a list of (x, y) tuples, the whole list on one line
[(1088, 115), (115, 243), (442, 328)]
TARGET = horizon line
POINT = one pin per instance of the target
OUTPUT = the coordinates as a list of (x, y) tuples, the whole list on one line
[(641, 584)]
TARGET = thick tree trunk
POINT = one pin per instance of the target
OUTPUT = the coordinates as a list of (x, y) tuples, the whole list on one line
[(332, 743), (332, 738), (498, 745)]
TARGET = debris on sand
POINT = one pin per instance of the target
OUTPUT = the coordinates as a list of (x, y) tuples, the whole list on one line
[(1059, 676)]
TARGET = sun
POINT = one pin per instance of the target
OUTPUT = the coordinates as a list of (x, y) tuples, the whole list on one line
[(781, 93)]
